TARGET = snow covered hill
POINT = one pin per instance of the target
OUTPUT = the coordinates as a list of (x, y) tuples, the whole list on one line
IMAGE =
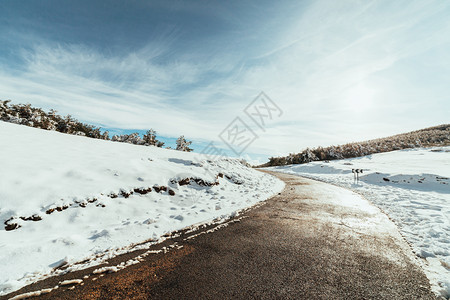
[(65, 198), (412, 187)]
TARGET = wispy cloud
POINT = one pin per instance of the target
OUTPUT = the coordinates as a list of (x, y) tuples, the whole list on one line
[(340, 70)]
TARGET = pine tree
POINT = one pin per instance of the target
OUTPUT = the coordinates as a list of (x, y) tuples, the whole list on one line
[(105, 135), (183, 145), (150, 137)]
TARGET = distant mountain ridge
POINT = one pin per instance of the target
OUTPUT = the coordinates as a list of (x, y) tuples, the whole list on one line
[(428, 137)]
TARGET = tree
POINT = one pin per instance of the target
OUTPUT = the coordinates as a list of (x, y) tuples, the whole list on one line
[(105, 135), (183, 145), (61, 126), (30, 116), (308, 156), (150, 137)]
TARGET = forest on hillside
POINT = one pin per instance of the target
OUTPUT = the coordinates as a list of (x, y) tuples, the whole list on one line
[(428, 137), (25, 114)]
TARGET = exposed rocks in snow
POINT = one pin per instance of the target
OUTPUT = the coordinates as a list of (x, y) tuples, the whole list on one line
[(58, 208), (234, 179), (142, 191), (32, 218), (12, 226), (126, 194), (191, 180), (182, 182), (159, 189)]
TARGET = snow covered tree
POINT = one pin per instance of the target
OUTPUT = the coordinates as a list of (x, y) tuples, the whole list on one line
[(308, 156), (183, 145), (70, 124), (135, 139), (150, 137), (105, 135)]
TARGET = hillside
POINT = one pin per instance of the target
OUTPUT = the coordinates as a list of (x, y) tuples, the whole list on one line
[(66, 198), (428, 137), (25, 114)]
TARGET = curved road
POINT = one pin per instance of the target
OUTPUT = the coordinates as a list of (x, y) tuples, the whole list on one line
[(312, 241)]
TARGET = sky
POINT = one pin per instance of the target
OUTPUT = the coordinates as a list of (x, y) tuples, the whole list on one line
[(339, 71)]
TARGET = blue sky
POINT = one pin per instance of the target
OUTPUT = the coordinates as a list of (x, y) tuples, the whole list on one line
[(340, 71)]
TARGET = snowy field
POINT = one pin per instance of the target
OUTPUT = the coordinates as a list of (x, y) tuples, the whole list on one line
[(66, 199), (413, 188)]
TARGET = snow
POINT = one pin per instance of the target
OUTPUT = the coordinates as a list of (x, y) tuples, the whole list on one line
[(413, 188), (86, 184), (70, 282), (32, 294)]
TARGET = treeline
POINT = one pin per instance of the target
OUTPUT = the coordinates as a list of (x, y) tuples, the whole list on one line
[(433, 136), (25, 114)]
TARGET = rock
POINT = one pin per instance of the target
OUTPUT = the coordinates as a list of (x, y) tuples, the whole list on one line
[(125, 194), (159, 189), (184, 181), (32, 218), (12, 226), (142, 191)]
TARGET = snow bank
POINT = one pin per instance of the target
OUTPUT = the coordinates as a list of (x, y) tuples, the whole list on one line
[(67, 198), (413, 188)]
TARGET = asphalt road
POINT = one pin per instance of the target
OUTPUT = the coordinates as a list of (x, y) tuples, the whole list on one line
[(313, 241)]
